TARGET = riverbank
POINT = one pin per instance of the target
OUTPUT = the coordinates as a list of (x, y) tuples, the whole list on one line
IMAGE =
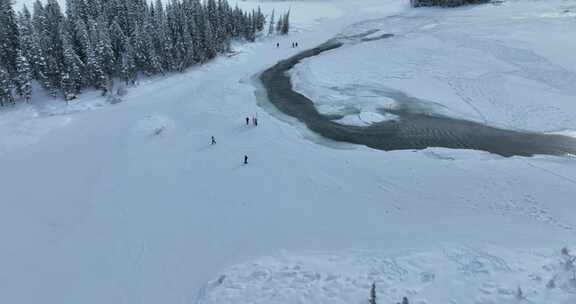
[(410, 129)]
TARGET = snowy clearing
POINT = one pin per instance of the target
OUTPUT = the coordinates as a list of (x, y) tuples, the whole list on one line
[(98, 208)]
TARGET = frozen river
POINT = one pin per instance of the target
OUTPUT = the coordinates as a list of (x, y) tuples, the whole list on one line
[(412, 129)]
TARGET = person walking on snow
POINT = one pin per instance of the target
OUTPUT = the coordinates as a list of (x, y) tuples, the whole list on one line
[(278, 44), (255, 121), (245, 159), (213, 140), (247, 121)]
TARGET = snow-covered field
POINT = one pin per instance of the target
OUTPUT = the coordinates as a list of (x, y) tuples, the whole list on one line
[(470, 274), (131, 204), (510, 65)]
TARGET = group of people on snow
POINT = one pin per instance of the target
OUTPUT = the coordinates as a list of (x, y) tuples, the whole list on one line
[(294, 44), (254, 121)]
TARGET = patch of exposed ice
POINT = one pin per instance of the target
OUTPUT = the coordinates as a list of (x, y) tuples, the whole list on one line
[(570, 133), (365, 118)]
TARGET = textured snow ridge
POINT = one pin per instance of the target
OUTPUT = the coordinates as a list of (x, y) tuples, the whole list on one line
[(454, 274)]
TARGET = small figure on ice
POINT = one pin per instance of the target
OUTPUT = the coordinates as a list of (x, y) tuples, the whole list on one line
[(247, 120), (213, 140), (278, 44), (245, 159)]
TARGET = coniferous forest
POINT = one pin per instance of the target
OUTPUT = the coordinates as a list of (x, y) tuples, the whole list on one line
[(93, 43)]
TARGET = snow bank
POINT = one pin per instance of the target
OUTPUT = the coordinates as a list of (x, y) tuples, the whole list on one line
[(454, 274)]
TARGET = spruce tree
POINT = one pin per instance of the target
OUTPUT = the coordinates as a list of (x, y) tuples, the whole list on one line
[(128, 63), (30, 47), (5, 87), (271, 26), (23, 77), (72, 78), (104, 51), (286, 24), (280, 24), (8, 37)]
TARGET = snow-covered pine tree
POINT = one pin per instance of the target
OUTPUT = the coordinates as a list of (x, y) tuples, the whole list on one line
[(117, 38), (212, 21), (226, 25), (140, 49), (161, 37), (5, 87), (150, 38), (271, 24), (280, 24), (30, 47), (8, 37), (104, 50), (47, 22), (72, 78), (99, 40), (250, 27), (94, 72), (285, 23), (128, 63), (260, 20), (23, 79), (81, 39), (95, 75), (208, 41)]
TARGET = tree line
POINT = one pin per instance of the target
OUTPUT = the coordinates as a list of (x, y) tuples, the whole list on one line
[(96, 42), (445, 3)]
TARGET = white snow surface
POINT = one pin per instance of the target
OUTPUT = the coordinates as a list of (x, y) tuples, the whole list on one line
[(99, 206), (471, 274), (508, 65)]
